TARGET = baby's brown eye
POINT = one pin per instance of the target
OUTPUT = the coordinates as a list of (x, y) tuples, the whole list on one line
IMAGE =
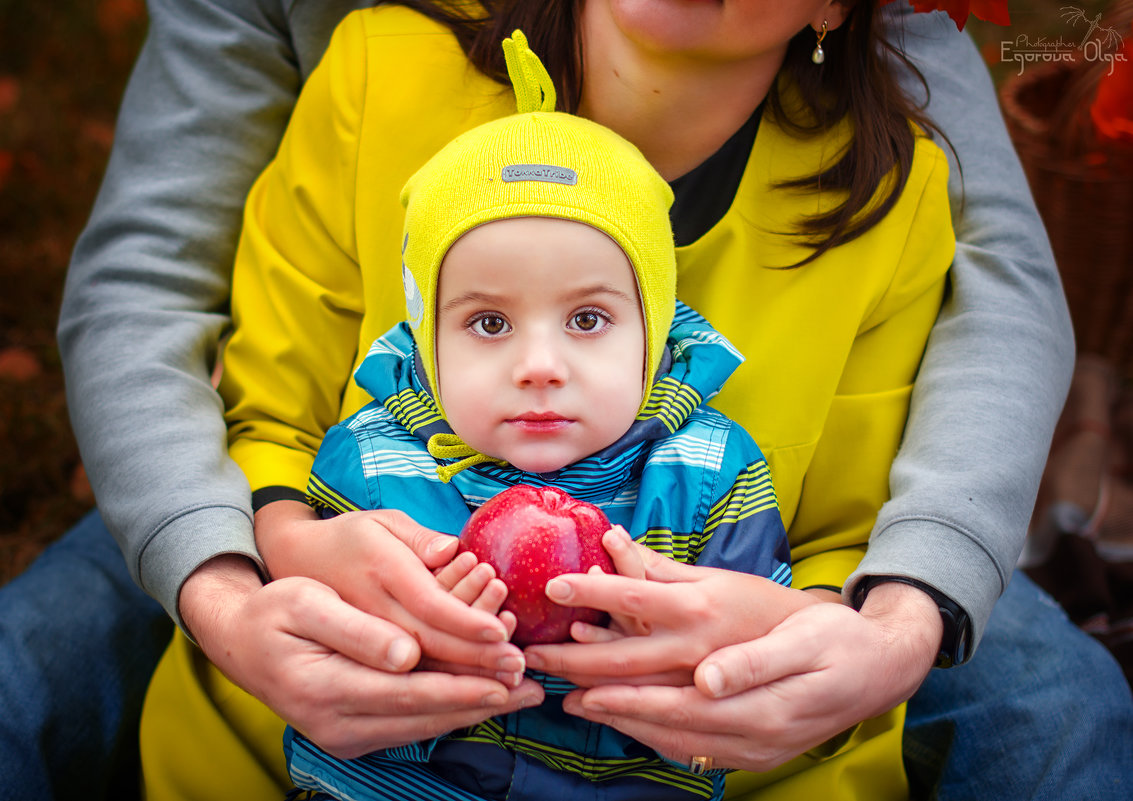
[(491, 325), (586, 321)]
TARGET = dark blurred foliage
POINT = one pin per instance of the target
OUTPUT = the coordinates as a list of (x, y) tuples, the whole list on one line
[(62, 70)]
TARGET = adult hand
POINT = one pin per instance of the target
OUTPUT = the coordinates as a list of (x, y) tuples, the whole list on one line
[(337, 674), (759, 703), (675, 618), (382, 563)]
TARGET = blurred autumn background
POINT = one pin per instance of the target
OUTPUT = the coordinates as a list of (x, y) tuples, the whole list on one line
[(62, 70)]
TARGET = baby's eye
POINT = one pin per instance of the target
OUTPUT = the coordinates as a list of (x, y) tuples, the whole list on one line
[(589, 320), (489, 325)]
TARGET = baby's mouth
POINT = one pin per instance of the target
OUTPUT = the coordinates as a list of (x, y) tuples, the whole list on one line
[(540, 422)]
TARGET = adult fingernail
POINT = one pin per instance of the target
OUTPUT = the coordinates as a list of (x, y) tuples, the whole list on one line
[(493, 699), (558, 590), (509, 679), (400, 651), (592, 706), (529, 700), (535, 662), (512, 663), (493, 634), (713, 679), (439, 544)]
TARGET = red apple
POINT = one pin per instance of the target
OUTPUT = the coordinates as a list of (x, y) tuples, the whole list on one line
[(530, 535)]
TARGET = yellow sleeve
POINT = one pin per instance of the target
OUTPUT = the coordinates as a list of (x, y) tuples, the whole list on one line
[(847, 480), (296, 296)]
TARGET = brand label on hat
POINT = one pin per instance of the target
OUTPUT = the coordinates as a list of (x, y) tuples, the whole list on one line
[(540, 172)]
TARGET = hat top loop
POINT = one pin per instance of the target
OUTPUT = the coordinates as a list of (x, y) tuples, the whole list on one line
[(534, 89)]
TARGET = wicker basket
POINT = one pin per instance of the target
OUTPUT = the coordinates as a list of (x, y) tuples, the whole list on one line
[(1084, 192)]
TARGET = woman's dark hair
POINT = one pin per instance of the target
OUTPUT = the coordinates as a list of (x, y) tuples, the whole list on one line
[(857, 81), (549, 25)]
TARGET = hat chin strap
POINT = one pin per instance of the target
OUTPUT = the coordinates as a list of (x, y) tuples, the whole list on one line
[(451, 446)]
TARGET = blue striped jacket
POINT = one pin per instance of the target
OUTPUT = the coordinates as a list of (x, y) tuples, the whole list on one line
[(684, 480)]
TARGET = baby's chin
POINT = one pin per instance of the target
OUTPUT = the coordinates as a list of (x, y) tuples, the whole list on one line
[(537, 464), (541, 468)]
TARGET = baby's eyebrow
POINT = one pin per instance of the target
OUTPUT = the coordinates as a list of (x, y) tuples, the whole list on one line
[(600, 289), (472, 297), (489, 299)]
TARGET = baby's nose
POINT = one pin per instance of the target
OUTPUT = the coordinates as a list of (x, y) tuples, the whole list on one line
[(540, 363)]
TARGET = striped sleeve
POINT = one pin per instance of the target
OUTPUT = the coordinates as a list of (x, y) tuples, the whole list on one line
[(744, 530), (706, 497), (337, 483)]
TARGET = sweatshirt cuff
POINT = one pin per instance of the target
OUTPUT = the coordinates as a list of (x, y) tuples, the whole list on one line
[(187, 541), (262, 497), (943, 557)]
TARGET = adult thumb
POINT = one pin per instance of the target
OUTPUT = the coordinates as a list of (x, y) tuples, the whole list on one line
[(737, 668), (431, 547)]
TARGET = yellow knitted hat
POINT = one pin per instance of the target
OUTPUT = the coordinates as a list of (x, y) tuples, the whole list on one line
[(538, 163)]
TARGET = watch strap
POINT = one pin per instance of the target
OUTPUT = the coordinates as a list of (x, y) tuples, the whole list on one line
[(957, 632)]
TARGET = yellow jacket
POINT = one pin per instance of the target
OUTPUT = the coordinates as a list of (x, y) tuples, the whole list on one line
[(832, 348)]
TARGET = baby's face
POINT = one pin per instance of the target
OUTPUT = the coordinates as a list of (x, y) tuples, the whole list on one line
[(540, 341)]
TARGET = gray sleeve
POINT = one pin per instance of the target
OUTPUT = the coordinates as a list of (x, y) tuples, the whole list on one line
[(146, 298), (998, 363)]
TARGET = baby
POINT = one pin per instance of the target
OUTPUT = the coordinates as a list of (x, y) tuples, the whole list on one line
[(543, 346)]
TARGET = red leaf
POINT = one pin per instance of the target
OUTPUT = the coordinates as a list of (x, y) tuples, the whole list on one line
[(7, 160), (18, 364), (98, 132), (994, 11), (1112, 109), (80, 485), (115, 16), (9, 93), (989, 10)]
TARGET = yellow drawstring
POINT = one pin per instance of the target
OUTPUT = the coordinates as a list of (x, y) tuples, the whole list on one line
[(450, 446)]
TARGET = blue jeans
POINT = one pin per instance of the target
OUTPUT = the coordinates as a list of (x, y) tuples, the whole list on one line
[(1042, 710), (78, 643)]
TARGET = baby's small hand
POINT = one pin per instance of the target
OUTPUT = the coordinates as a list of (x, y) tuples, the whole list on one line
[(475, 584)]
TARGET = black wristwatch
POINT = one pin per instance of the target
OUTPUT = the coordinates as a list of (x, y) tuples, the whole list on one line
[(957, 625)]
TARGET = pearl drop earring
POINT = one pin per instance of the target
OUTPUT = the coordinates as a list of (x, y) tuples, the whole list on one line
[(819, 55)]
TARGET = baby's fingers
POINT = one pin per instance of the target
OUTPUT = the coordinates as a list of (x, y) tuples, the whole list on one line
[(450, 575), (510, 622), (481, 589), (491, 595)]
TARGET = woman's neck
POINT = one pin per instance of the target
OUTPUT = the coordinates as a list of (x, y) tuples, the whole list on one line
[(677, 110)]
